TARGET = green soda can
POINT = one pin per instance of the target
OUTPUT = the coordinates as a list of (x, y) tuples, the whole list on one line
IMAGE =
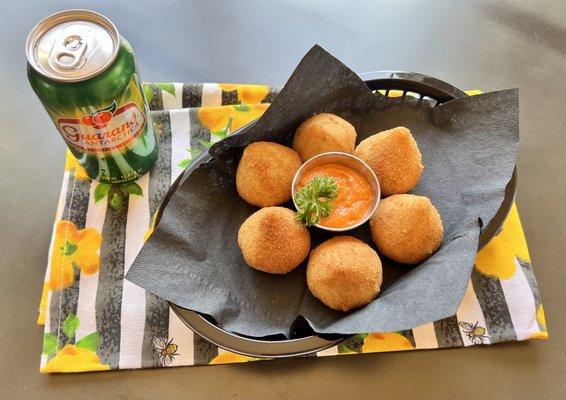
[(85, 75)]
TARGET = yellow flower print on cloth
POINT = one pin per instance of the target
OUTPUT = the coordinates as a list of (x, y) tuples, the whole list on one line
[(78, 357), (497, 259), (218, 119), (221, 121), (72, 164), (73, 248), (387, 341), (247, 94), (230, 358), (74, 359)]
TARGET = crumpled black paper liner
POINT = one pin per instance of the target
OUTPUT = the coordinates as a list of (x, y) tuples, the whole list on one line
[(469, 151)]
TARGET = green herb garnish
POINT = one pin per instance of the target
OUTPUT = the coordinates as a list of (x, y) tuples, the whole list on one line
[(314, 201)]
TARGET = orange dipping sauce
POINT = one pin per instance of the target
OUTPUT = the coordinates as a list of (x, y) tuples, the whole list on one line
[(354, 199)]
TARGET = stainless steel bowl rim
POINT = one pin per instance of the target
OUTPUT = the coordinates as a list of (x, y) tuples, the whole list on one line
[(253, 347), (307, 165), (288, 348)]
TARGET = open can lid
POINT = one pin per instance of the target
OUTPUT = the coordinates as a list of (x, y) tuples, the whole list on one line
[(72, 45)]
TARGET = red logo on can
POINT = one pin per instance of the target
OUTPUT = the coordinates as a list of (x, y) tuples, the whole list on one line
[(100, 118), (106, 129)]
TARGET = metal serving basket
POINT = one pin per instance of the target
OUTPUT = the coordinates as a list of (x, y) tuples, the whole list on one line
[(303, 340)]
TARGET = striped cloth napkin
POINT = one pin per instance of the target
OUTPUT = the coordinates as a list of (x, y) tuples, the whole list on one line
[(96, 320)]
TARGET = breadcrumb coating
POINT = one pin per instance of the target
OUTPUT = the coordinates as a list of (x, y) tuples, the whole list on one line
[(344, 273), (406, 228), (323, 133), (272, 240), (394, 157), (265, 173)]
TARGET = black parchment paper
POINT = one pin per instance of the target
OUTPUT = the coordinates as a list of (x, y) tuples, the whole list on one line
[(469, 150)]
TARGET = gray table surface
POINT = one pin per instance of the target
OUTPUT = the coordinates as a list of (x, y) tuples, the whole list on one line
[(472, 44)]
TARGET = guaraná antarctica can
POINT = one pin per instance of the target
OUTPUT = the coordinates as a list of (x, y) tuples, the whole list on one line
[(85, 75)]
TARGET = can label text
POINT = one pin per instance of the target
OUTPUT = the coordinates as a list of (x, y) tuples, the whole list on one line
[(106, 129)]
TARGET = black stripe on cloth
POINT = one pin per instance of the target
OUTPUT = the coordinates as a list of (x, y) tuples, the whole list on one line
[(157, 309), (353, 343), (156, 327), (192, 95), (229, 97), (199, 134), (494, 307), (110, 284), (64, 301), (410, 337), (160, 175), (76, 202), (448, 333), (204, 351), (156, 102)]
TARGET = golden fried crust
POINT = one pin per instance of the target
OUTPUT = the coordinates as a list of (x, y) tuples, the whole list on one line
[(272, 240), (344, 273), (406, 228), (323, 133), (265, 173), (394, 157)]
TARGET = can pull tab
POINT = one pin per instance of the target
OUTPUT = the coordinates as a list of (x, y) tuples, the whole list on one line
[(69, 53)]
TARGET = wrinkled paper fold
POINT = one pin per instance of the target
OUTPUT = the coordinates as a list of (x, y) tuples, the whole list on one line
[(469, 149)]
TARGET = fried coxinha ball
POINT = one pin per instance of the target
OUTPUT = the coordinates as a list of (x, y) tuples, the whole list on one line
[(394, 157), (406, 228), (265, 173), (272, 240), (323, 133), (344, 273)]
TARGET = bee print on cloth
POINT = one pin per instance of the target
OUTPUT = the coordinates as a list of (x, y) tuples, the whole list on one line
[(475, 333), (167, 350)]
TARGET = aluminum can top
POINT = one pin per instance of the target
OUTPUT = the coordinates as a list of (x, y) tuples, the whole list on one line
[(72, 45)]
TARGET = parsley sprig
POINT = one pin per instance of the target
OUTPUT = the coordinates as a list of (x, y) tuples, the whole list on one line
[(314, 201)]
